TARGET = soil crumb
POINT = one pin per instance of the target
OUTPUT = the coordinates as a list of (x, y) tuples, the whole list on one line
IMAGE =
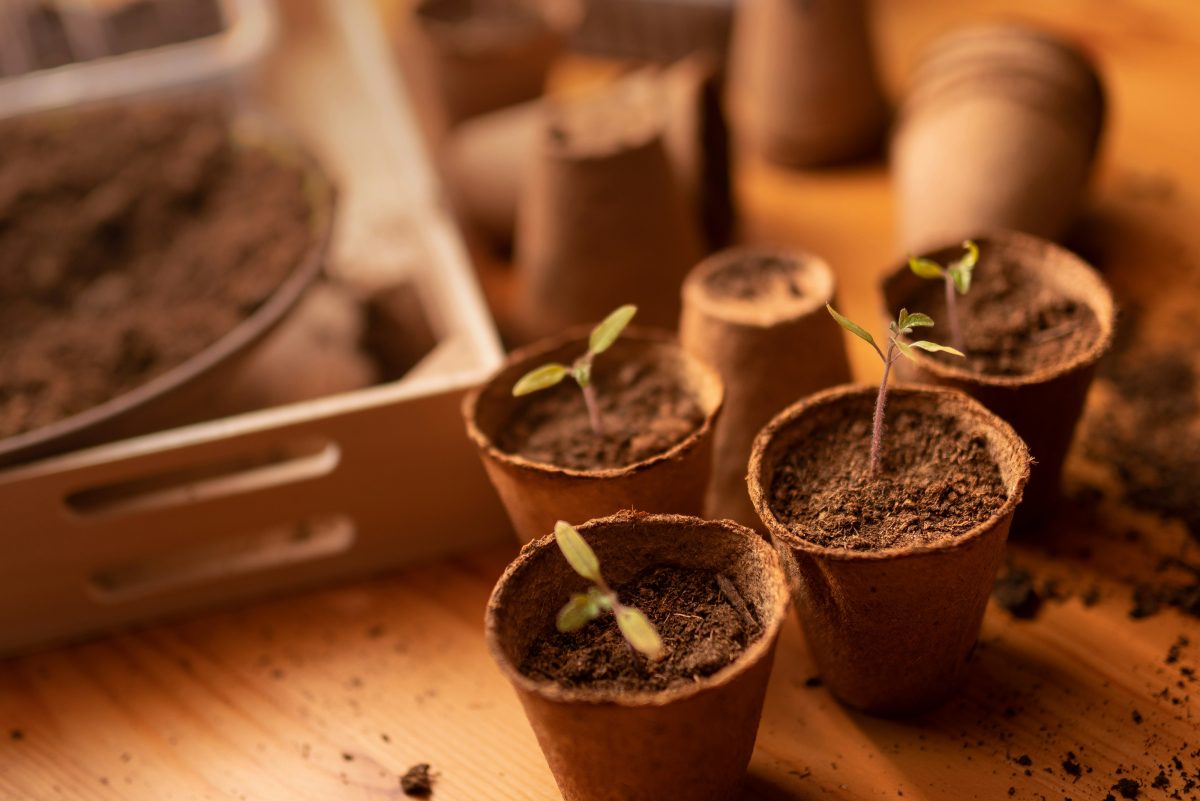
[(645, 406), (131, 239), (701, 626), (1012, 323), (1015, 592), (417, 782), (929, 488)]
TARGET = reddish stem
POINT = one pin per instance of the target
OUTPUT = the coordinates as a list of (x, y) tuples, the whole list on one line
[(593, 408), (880, 403), (956, 337)]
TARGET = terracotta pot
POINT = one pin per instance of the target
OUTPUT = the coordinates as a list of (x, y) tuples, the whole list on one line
[(487, 159), (690, 743), (892, 630), (804, 88), (602, 219), (1043, 406), (462, 66), (771, 348), (999, 130), (535, 494)]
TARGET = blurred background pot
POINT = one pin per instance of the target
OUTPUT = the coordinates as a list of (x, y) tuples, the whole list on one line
[(692, 742), (998, 130)]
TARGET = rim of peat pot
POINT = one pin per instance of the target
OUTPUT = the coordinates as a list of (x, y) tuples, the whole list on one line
[(830, 397), (668, 524), (247, 130), (811, 272), (1068, 270), (709, 392)]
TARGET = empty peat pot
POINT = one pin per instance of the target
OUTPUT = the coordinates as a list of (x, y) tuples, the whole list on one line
[(688, 741), (1036, 320), (804, 90), (469, 57), (486, 159), (659, 406), (890, 575), (998, 130), (602, 219), (758, 316)]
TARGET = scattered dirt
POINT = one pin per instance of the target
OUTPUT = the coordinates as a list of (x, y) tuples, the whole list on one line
[(645, 406), (416, 781), (1015, 591), (131, 238), (930, 487), (698, 620), (1012, 323)]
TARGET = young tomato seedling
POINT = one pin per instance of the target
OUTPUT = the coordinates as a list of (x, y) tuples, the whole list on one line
[(548, 375), (956, 276), (901, 326), (635, 627)]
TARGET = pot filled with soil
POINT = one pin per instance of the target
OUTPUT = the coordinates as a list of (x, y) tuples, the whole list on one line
[(804, 89), (758, 316), (666, 708), (602, 218), (469, 57), (654, 405), (998, 130), (145, 249), (890, 567), (1034, 321)]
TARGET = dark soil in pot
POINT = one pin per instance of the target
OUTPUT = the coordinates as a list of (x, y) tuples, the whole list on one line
[(131, 239), (937, 481), (701, 616), (646, 408), (1014, 322)]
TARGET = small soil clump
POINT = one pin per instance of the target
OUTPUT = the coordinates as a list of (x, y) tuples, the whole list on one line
[(417, 782), (131, 239), (645, 405), (704, 622), (930, 487), (1015, 591), (1013, 323)]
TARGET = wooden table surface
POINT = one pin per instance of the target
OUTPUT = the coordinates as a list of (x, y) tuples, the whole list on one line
[(333, 694)]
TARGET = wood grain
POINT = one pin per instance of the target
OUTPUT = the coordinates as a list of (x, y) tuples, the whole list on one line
[(333, 694)]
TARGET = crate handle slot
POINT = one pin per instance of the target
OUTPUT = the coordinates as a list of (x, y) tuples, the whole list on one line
[(277, 465), (315, 538)]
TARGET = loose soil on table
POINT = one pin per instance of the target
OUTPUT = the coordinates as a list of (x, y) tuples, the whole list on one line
[(760, 278), (645, 405), (702, 627), (936, 481), (131, 239), (1013, 323)]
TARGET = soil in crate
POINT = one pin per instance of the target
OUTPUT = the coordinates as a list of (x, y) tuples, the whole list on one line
[(936, 481), (1013, 324), (703, 620), (646, 409), (131, 239)]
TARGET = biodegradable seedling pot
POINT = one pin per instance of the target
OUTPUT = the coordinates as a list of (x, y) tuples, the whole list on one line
[(998, 130), (536, 494), (1043, 404), (757, 315), (487, 158), (892, 630), (804, 88), (602, 219), (469, 57), (689, 742)]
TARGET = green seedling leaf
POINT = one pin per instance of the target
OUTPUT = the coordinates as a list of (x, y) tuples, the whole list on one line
[(961, 270), (601, 599), (605, 334), (933, 347), (540, 378), (577, 613), (905, 349), (917, 319), (852, 327), (925, 268), (639, 631), (578, 553), (581, 371)]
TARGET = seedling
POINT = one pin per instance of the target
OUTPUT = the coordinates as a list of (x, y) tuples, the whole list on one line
[(548, 375), (901, 326), (635, 627), (955, 276)]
